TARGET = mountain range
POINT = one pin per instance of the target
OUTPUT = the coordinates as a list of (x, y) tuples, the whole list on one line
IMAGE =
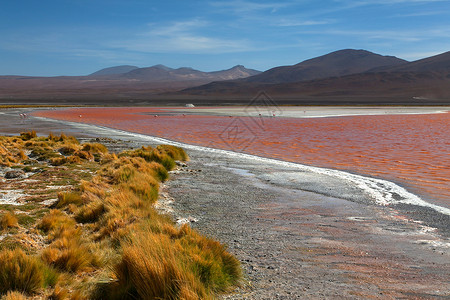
[(341, 77), (344, 77)]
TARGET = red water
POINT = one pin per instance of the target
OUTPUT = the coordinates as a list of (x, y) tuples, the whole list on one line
[(413, 150)]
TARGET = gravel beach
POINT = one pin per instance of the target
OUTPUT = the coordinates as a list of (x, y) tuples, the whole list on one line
[(298, 234)]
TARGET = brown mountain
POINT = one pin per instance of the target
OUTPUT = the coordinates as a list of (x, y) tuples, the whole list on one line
[(161, 73), (114, 70), (122, 82), (437, 63), (339, 63), (426, 81)]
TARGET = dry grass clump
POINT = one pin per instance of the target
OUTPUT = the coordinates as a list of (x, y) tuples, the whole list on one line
[(84, 155), (28, 135), (59, 161), (68, 149), (181, 265), (176, 153), (8, 220), (55, 220), (67, 198), (70, 254), (125, 169), (165, 155), (14, 296), (19, 272), (95, 148), (91, 212), (104, 237)]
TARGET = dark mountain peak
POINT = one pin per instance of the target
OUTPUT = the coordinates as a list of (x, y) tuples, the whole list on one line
[(236, 72), (161, 67), (338, 63), (114, 70)]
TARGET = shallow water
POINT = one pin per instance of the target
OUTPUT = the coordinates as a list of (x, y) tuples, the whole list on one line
[(412, 150)]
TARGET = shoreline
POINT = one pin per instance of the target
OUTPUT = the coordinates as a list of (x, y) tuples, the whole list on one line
[(294, 243), (370, 185), (383, 192)]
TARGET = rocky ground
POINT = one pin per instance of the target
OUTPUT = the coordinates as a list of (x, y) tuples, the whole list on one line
[(295, 244)]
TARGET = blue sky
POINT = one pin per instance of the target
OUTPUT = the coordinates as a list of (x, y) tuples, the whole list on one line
[(78, 37)]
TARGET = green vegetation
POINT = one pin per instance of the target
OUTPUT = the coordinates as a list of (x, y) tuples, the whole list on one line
[(101, 238)]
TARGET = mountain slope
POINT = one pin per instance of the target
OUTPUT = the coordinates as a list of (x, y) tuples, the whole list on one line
[(437, 63), (114, 70), (423, 81), (339, 63), (163, 73)]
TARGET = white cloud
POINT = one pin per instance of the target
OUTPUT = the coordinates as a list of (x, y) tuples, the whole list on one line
[(180, 37)]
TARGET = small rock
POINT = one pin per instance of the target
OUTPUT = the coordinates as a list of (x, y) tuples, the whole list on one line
[(14, 174), (181, 164)]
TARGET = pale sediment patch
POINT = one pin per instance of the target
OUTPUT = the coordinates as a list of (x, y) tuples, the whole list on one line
[(11, 197), (58, 187), (49, 202), (165, 205), (313, 112)]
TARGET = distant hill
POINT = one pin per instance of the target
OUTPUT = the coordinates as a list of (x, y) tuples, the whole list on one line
[(114, 70), (341, 77), (339, 63), (121, 82), (424, 81), (163, 73)]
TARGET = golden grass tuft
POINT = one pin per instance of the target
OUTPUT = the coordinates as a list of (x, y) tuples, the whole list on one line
[(68, 149), (170, 263), (8, 220), (68, 253), (67, 198), (152, 155), (14, 296), (58, 161), (19, 272), (54, 220), (84, 155), (176, 153), (94, 148), (149, 269), (28, 135), (91, 212), (108, 226)]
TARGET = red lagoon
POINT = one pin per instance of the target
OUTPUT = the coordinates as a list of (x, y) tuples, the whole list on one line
[(412, 150)]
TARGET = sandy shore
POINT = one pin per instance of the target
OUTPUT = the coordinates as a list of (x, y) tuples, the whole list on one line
[(293, 243), (271, 109)]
